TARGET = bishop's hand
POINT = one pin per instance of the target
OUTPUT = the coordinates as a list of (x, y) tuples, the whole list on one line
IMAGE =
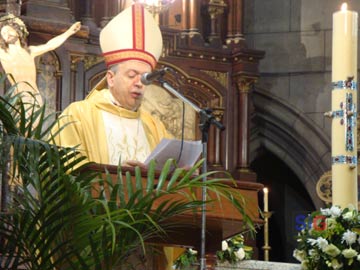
[(134, 163)]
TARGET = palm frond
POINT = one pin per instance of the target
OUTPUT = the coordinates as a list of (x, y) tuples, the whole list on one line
[(63, 215)]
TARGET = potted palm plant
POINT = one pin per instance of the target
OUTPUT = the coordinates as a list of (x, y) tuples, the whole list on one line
[(52, 221)]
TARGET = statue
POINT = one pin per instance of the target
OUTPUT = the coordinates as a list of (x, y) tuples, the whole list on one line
[(18, 59)]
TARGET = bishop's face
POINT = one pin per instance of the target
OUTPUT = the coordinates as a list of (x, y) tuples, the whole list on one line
[(125, 83), (9, 34)]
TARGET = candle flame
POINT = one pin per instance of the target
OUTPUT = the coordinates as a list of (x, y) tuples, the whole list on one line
[(265, 190), (344, 7)]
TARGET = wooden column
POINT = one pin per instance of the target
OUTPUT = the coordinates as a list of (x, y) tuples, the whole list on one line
[(185, 25), (190, 21), (244, 86), (190, 11), (215, 9), (215, 158), (107, 13), (235, 22), (193, 16), (87, 18)]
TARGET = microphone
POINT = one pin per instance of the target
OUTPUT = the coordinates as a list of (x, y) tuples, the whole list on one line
[(148, 77)]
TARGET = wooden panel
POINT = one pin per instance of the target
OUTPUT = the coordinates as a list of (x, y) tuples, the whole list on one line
[(222, 218)]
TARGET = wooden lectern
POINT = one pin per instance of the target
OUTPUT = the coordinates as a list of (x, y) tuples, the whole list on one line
[(223, 220)]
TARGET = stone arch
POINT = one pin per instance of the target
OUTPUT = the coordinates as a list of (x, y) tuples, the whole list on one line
[(291, 136)]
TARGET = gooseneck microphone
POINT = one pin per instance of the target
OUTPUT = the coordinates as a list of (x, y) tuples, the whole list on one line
[(149, 77)]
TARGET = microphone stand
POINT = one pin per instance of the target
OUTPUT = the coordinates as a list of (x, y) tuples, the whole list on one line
[(206, 119)]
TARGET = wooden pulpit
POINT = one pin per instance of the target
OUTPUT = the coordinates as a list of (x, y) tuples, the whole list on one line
[(223, 220)]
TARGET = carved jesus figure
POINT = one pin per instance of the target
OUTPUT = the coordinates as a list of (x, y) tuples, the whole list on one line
[(18, 59)]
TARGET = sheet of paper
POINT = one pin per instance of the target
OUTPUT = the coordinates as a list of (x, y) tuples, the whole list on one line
[(170, 148)]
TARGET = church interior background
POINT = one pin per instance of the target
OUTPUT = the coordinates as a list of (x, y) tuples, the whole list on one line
[(263, 66)]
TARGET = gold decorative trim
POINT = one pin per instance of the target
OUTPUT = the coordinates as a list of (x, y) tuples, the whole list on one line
[(218, 113), (221, 77), (89, 60), (138, 28), (244, 84), (216, 7), (216, 97), (114, 57)]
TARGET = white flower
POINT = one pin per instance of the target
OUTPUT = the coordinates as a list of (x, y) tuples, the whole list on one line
[(322, 243), (333, 245), (312, 242), (224, 245), (331, 250), (304, 265), (335, 211), (349, 253), (335, 264), (193, 251), (314, 254), (325, 211), (300, 255), (349, 237), (349, 215), (240, 253)]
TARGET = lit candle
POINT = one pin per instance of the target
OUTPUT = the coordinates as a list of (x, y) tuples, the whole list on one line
[(266, 200), (344, 98)]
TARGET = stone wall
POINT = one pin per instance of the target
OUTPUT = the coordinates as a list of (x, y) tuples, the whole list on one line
[(295, 83), (292, 94)]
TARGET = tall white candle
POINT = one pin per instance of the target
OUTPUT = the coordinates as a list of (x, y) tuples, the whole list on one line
[(344, 99), (344, 52), (266, 199)]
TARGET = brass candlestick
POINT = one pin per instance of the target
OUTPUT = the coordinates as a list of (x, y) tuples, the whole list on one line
[(266, 246)]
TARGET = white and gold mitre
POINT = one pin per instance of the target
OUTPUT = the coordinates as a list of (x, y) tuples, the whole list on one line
[(133, 34)]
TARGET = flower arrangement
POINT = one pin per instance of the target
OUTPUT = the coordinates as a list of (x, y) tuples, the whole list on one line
[(232, 250), (187, 259), (330, 240)]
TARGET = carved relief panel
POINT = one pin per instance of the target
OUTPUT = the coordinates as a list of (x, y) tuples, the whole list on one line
[(169, 110), (48, 76)]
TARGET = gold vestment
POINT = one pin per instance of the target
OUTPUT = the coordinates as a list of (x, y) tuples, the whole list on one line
[(82, 125)]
